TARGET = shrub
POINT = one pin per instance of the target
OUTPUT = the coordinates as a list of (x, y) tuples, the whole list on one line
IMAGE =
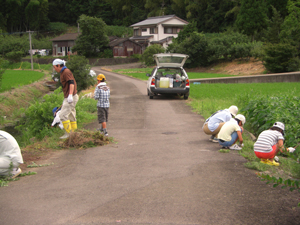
[(57, 27), (228, 46), (196, 47), (38, 116), (107, 53), (14, 56), (119, 31), (280, 58), (147, 56)]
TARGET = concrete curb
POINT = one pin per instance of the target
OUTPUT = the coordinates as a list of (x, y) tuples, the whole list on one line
[(265, 78)]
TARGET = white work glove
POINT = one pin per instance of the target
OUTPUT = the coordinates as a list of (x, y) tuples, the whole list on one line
[(70, 98), (276, 159), (291, 149)]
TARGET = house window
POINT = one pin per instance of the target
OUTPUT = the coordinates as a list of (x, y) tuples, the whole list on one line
[(171, 30), (153, 30), (144, 30), (136, 32)]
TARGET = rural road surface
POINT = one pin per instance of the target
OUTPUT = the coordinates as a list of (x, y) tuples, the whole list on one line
[(161, 170)]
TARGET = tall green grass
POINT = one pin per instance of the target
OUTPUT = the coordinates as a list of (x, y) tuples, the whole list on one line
[(14, 78), (208, 98)]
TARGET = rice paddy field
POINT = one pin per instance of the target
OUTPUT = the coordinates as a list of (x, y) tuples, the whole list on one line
[(16, 78)]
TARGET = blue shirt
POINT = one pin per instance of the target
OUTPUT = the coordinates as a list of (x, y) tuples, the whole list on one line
[(215, 120)]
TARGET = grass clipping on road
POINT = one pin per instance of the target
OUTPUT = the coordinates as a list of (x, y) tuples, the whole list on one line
[(85, 139), (80, 139)]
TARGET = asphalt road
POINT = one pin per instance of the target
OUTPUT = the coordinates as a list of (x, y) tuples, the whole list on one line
[(161, 170)]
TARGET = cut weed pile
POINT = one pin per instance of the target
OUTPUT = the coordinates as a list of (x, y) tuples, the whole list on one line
[(84, 139), (80, 139)]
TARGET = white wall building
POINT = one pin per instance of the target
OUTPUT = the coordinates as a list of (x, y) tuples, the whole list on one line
[(157, 30)]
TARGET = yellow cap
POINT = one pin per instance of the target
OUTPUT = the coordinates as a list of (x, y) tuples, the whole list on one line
[(100, 77)]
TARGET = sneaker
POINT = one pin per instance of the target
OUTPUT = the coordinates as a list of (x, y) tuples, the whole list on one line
[(223, 147), (269, 162), (15, 173), (100, 130), (66, 135), (215, 140), (106, 134), (235, 147)]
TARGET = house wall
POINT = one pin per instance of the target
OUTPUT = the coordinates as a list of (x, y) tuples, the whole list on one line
[(160, 31), (126, 49), (61, 48)]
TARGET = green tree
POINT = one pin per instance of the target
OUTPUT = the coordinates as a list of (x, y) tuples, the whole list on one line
[(10, 43), (291, 25), (227, 46), (186, 32), (81, 69), (252, 17), (272, 33), (14, 14), (127, 12), (14, 56), (280, 58), (196, 47), (147, 56), (279, 5), (93, 38), (210, 15), (179, 8), (159, 7)]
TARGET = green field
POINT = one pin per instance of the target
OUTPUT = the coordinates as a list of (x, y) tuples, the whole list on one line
[(140, 73), (208, 98), (16, 78)]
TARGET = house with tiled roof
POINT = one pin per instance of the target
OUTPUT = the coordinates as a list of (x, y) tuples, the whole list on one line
[(157, 30), (121, 47), (62, 45), (124, 47)]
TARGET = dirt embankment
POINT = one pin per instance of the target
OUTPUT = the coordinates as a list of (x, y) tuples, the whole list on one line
[(237, 67)]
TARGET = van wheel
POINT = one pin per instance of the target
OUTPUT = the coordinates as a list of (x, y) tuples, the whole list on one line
[(151, 96), (186, 96)]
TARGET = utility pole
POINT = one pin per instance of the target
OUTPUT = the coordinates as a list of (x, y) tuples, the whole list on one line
[(30, 49)]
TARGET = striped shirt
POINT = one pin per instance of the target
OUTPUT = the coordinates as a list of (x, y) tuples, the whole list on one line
[(102, 94), (266, 140)]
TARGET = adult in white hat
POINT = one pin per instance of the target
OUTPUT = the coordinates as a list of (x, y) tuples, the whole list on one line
[(10, 155), (69, 86), (269, 143), (231, 132), (214, 123)]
